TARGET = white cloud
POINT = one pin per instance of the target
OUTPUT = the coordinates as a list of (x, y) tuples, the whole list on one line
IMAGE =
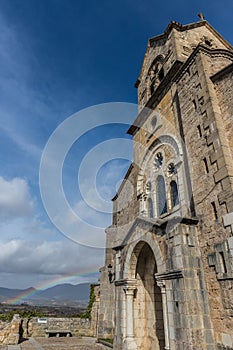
[(32, 248), (20, 140), (15, 199), (48, 258)]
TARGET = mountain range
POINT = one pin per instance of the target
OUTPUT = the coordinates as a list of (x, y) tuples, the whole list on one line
[(57, 294)]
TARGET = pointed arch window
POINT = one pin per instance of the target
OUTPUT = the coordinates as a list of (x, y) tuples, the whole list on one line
[(161, 196), (161, 74), (174, 194)]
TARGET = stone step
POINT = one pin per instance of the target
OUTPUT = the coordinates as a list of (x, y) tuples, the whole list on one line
[(35, 344)]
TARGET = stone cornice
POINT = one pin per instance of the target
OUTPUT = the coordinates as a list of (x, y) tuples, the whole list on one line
[(181, 28), (145, 223), (170, 275), (157, 226), (206, 51), (122, 183), (222, 73), (118, 248), (127, 283)]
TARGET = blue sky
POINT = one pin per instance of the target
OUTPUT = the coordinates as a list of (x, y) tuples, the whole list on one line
[(58, 58)]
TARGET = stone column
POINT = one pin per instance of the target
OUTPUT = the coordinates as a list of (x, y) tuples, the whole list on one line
[(129, 342), (143, 204), (160, 280), (161, 284)]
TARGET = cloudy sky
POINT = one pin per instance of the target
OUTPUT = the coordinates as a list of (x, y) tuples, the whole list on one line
[(57, 59)]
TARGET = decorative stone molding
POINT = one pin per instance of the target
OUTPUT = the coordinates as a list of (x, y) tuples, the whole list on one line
[(126, 283), (140, 236), (157, 226), (168, 275), (205, 50)]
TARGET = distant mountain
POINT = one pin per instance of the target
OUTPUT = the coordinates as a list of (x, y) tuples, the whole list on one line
[(56, 294), (78, 292), (6, 293)]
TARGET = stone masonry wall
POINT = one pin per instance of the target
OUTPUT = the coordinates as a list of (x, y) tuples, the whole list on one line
[(10, 331), (77, 326), (210, 164), (223, 87)]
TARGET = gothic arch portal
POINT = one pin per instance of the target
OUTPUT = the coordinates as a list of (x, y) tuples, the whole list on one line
[(147, 305), (142, 238)]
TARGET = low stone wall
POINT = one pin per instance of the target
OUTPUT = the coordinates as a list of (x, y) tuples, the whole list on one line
[(36, 327), (10, 331)]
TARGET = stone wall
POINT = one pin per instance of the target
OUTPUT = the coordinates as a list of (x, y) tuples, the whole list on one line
[(205, 129), (77, 326), (10, 331)]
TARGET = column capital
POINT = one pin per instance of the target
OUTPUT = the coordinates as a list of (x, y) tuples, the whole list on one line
[(130, 285), (126, 282), (161, 284), (129, 290)]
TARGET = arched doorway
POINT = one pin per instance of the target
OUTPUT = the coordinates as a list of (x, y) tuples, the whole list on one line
[(148, 311)]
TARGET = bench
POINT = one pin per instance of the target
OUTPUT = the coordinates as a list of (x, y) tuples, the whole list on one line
[(58, 333)]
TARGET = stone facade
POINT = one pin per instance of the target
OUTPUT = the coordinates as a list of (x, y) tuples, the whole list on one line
[(171, 239)]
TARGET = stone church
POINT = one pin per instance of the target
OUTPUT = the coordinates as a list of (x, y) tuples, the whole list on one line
[(167, 282)]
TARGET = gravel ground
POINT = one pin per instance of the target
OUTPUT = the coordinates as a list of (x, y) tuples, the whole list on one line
[(53, 343)]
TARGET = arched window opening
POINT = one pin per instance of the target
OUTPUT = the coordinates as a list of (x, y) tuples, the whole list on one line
[(152, 86), (158, 160), (161, 74), (150, 208), (155, 73), (174, 194), (222, 262), (161, 196)]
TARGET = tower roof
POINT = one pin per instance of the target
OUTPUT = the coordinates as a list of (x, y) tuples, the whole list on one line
[(181, 28)]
